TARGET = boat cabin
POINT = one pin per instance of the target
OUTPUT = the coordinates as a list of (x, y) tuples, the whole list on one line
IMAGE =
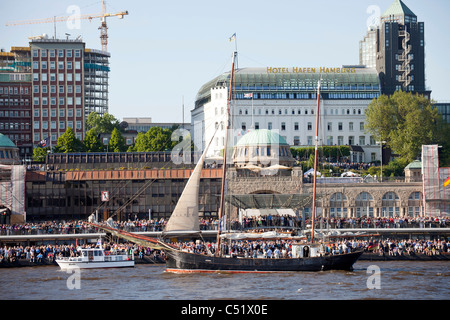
[(306, 250), (97, 254), (91, 253)]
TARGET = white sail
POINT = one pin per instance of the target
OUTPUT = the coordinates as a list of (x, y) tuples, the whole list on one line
[(185, 217)]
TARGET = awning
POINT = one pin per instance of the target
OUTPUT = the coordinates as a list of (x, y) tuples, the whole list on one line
[(269, 201)]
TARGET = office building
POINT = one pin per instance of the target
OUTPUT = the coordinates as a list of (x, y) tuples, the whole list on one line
[(143, 124), (15, 98), (286, 102), (49, 86), (444, 109), (397, 45), (58, 88), (96, 76), (368, 48)]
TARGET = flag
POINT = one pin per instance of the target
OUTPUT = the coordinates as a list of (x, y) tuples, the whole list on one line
[(44, 143), (233, 37), (447, 182), (248, 95), (374, 247)]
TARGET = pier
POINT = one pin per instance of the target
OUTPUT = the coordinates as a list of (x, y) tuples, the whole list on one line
[(405, 233), (336, 234)]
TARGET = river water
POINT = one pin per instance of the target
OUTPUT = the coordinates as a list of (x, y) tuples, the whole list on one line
[(394, 280)]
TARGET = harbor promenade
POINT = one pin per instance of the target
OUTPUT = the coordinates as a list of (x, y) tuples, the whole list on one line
[(420, 239), (71, 231)]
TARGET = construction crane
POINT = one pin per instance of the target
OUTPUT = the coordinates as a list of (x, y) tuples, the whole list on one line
[(103, 27)]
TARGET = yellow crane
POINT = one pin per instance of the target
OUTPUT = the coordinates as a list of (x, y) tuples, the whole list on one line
[(103, 28)]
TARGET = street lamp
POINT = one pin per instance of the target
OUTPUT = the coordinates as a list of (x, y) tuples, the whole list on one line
[(381, 158)]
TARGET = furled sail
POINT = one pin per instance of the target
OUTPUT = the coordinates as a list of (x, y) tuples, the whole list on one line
[(185, 217)]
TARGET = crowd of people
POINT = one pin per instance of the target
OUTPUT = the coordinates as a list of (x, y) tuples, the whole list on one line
[(269, 221), (48, 253), (244, 248), (39, 254), (408, 247), (283, 248), (351, 165)]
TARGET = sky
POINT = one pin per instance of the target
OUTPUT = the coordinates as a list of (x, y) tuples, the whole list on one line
[(162, 52)]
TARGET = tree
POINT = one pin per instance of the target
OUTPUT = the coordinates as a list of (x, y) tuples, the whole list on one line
[(92, 143), (395, 168), (116, 142), (155, 139), (39, 154), (405, 121), (141, 143), (311, 161), (159, 139), (68, 143), (105, 123)]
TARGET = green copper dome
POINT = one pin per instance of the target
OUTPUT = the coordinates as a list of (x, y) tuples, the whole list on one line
[(6, 142), (262, 137), (416, 164)]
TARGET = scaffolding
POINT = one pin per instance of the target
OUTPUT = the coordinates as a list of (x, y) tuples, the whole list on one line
[(436, 196), (96, 74), (12, 191)]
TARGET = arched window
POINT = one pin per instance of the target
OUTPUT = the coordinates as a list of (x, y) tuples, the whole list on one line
[(390, 205), (338, 205), (364, 205), (415, 204)]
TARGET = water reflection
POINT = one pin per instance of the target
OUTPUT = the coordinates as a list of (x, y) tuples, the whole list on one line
[(398, 280)]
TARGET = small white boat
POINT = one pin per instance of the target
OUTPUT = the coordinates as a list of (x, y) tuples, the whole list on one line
[(96, 258)]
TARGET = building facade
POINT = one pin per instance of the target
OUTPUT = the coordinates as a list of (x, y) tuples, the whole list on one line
[(58, 88), (397, 46), (142, 185), (15, 110), (444, 109), (368, 48), (143, 124), (49, 86), (96, 76), (15, 98), (136, 184)]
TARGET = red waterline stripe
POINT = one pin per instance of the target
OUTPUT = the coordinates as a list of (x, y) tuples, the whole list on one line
[(214, 271)]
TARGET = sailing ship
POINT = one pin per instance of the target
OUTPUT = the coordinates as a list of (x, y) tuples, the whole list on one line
[(184, 221)]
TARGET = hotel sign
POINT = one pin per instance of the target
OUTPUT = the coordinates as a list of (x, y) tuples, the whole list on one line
[(309, 70)]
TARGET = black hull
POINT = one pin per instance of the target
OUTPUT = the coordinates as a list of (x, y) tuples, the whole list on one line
[(179, 261)]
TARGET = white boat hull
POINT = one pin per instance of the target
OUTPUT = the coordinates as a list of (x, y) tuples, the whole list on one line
[(96, 258), (66, 265)]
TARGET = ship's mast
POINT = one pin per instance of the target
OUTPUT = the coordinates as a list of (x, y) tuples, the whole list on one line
[(224, 165), (313, 214)]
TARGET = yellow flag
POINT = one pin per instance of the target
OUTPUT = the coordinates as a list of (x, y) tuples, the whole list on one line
[(447, 182)]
